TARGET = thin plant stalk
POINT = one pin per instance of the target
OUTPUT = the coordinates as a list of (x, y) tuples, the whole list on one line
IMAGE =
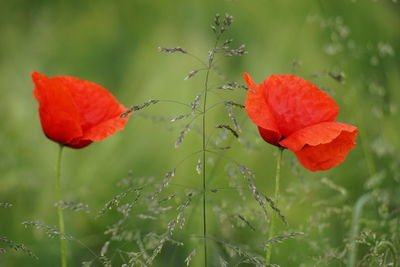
[(362, 200), (63, 245), (355, 227), (366, 147), (204, 141), (276, 200), (205, 162)]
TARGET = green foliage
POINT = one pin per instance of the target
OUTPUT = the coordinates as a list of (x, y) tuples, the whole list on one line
[(347, 216)]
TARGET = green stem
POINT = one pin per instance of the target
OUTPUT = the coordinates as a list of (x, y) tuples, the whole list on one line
[(204, 170), (355, 227), (204, 162), (276, 200), (366, 148), (63, 245), (360, 203), (204, 141)]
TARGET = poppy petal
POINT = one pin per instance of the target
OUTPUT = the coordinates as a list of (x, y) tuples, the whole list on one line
[(76, 112), (59, 115), (79, 143), (269, 136), (249, 81), (296, 103), (322, 146), (95, 103), (106, 128), (259, 112)]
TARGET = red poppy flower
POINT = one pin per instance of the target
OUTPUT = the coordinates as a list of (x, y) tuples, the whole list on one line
[(293, 113), (76, 112)]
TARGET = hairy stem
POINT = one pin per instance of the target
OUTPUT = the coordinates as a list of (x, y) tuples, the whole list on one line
[(276, 200), (63, 245)]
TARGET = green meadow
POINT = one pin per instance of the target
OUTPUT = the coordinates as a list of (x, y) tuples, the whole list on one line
[(136, 198)]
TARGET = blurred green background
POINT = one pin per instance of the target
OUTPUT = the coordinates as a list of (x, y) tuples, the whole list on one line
[(348, 48)]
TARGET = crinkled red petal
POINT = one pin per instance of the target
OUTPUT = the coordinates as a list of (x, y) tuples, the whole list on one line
[(76, 112), (317, 134), (79, 143), (269, 136), (59, 115), (296, 103), (106, 128), (322, 146), (258, 111), (99, 110)]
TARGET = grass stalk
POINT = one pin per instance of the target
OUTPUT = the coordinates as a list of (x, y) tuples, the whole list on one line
[(204, 144), (355, 227)]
